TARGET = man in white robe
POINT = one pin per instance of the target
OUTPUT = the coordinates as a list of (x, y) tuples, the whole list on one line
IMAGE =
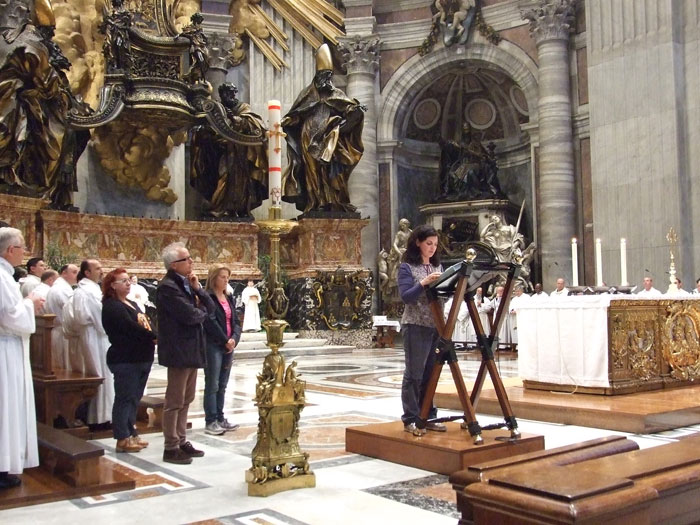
[(18, 444), (696, 291), (504, 334), (560, 291), (138, 293), (62, 289), (35, 267), (460, 332), (519, 298), (483, 307), (47, 280), (251, 300), (648, 292), (92, 341), (680, 292), (539, 294)]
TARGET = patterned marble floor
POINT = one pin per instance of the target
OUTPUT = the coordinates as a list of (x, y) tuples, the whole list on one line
[(342, 390)]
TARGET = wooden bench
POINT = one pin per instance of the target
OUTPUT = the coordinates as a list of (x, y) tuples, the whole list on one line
[(71, 459), (543, 459), (655, 485), (154, 403)]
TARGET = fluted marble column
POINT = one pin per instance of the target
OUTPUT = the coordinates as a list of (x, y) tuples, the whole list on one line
[(361, 57), (550, 25)]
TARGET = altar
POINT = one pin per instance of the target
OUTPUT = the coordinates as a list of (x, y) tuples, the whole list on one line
[(608, 345)]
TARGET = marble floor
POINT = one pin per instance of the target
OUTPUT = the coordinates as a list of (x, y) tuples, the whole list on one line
[(342, 390)]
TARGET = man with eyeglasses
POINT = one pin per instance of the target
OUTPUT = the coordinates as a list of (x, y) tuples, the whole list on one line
[(18, 444), (183, 307)]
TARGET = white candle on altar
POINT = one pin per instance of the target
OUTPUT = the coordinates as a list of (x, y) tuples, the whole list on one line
[(274, 156), (574, 262), (598, 263), (623, 262)]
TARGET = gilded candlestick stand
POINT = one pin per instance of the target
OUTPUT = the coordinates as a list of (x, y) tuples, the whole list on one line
[(278, 462)]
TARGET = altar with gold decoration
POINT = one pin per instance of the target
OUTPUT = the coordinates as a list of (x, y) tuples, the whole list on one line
[(605, 345)]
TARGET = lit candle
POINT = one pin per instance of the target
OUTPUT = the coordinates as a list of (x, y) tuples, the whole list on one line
[(623, 262), (574, 262), (274, 156), (598, 263)]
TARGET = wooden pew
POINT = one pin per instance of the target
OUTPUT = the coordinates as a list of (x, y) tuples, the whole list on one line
[(57, 392), (542, 459), (654, 485), (71, 459)]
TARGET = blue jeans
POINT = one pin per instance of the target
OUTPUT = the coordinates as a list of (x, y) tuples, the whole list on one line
[(216, 375), (418, 345), (129, 383)]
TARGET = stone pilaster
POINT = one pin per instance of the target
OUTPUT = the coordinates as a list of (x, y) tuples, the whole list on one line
[(551, 22), (361, 59)]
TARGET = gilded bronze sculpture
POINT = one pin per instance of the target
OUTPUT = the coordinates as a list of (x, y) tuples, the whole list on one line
[(230, 175), (324, 143), (199, 54), (117, 44)]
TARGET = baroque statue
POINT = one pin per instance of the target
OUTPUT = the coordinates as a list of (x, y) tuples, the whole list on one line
[(38, 149), (509, 246), (324, 143), (199, 54), (455, 18), (229, 175), (468, 171), (117, 44), (390, 291)]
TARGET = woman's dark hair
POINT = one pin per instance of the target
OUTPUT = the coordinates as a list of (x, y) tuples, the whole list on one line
[(419, 234), (107, 281)]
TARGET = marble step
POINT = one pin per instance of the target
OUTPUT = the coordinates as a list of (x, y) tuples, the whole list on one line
[(262, 336), (293, 351)]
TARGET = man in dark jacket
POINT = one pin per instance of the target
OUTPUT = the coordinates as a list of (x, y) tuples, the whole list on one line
[(183, 307)]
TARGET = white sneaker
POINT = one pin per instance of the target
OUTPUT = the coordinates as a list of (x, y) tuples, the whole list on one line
[(214, 429)]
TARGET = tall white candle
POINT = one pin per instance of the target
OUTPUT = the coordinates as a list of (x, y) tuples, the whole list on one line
[(574, 262), (274, 156), (623, 262), (598, 263)]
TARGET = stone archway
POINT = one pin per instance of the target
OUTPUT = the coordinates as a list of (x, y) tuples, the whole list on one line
[(397, 153)]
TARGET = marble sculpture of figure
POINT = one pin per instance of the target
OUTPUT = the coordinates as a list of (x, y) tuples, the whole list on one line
[(231, 176), (324, 143)]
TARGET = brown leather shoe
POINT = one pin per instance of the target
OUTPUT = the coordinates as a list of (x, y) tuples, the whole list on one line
[(136, 440), (176, 456), (436, 427), (126, 445), (192, 452)]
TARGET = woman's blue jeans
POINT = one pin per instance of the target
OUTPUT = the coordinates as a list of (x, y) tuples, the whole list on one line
[(216, 375)]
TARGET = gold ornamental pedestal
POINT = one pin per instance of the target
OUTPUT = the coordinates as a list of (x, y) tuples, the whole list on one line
[(278, 462)]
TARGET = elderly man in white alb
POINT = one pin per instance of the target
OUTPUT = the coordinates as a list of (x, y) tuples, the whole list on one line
[(649, 290), (92, 340), (60, 292), (18, 445), (560, 291)]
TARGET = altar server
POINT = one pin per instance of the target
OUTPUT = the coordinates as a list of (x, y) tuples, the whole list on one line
[(92, 339), (59, 293), (560, 291), (35, 267), (649, 290), (18, 444)]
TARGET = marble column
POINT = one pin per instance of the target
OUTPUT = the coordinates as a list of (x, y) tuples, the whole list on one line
[(361, 58), (550, 25), (225, 52)]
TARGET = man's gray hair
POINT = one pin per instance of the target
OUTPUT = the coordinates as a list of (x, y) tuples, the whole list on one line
[(172, 253), (8, 237)]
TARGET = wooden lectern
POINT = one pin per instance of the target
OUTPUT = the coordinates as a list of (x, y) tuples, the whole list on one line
[(462, 279)]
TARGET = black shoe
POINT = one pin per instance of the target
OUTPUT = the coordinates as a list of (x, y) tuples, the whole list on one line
[(9, 481), (176, 456), (192, 452)]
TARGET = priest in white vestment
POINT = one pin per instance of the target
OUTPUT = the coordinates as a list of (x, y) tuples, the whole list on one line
[(59, 293), (483, 307), (504, 334), (251, 300), (18, 444), (649, 292), (35, 267), (560, 291), (539, 294), (92, 340), (460, 332), (47, 280), (138, 294), (519, 298)]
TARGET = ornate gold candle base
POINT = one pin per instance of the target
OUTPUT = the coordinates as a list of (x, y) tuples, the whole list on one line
[(278, 462)]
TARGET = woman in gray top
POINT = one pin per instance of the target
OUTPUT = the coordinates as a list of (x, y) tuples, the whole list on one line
[(419, 268)]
